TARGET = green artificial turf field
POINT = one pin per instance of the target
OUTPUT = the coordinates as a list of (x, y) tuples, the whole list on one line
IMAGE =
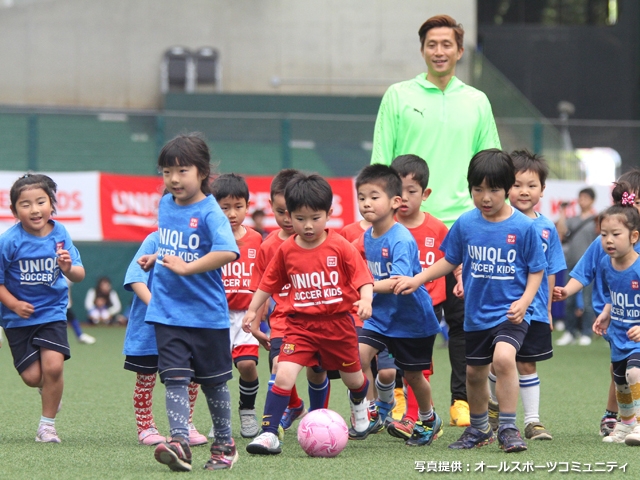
[(97, 427)]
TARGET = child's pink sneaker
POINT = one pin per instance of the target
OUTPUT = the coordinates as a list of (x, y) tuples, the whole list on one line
[(150, 436), (195, 437)]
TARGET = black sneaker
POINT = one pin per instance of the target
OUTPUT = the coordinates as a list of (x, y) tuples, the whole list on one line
[(472, 437), (175, 453), (509, 439)]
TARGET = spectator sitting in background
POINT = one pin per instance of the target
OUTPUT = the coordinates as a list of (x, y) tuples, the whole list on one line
[(103, 304)]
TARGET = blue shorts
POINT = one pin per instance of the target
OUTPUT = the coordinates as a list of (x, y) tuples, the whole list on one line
[(145, 364), (25, 342), (479, 345), (202, 354), (620, 368), (409, 354), (536, 346)]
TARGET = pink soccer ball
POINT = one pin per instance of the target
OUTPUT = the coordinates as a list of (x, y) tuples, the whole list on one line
[(322, 433)]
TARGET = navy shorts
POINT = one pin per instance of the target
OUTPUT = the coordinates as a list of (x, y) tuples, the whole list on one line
[(26, 342), (145, 364), (620, 368), (276, 345), (479, 345), (202, 354), (409, 354), (536, 346)]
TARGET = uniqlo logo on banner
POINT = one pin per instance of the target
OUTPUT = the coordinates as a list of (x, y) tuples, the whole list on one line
[(129, 206), (511, 238), (193, 223)]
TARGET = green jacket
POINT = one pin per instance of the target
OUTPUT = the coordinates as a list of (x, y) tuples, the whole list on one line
[(444, 128)]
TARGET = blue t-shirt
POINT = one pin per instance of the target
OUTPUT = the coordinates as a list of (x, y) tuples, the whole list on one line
[(400, 316), (140, 337), (496, 259), (552, 247), (622, 291), (190, 232), (29, 270), (586, 269)]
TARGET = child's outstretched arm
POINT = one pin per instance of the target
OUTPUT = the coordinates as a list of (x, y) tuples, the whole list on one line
[(142, 291), (407, 285), (364, 304), (518, 309), (602, 322), (22, 309), (211, 261), (75, 273), (572, 287), (257, 301)]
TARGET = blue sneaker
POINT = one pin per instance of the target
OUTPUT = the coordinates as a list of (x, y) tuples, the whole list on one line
[(292, 414), (425, 432), (472, 437), (509, 439), (383, 410), (375, 425)]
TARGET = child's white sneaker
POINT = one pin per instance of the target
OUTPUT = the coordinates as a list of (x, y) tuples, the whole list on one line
[(619, 433), (47, 434), (633, 439)]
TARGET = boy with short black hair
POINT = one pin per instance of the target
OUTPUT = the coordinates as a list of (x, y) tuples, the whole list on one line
[(405, 325), (531, 174), (502, 268), (318, 382), (232, 193), (429, 232), (327, 276)]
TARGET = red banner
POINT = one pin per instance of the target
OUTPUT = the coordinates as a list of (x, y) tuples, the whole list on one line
[(129, 204)]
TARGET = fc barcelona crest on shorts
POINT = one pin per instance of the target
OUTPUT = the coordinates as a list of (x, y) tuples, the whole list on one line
[(288, 348)]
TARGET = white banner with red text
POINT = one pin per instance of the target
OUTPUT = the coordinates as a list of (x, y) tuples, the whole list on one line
[(96, 206)]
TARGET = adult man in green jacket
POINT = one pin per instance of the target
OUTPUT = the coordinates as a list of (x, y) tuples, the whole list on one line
[(446, 122)]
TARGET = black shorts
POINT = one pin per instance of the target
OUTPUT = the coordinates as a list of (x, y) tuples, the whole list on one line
[(479, 345), (536, 346), (276, 345), (620, 368), (409, 354), (145, 364), (202, 354), (25, 342)]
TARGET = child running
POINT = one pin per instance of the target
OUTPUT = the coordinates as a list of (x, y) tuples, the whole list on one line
[(318, 382), (327, 276), (619, 322), (36, 254), (429, 232), (406, 326), (583, 274), (232, 194), (141, 352), (188, 306), (502, 268), (531, 175)]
